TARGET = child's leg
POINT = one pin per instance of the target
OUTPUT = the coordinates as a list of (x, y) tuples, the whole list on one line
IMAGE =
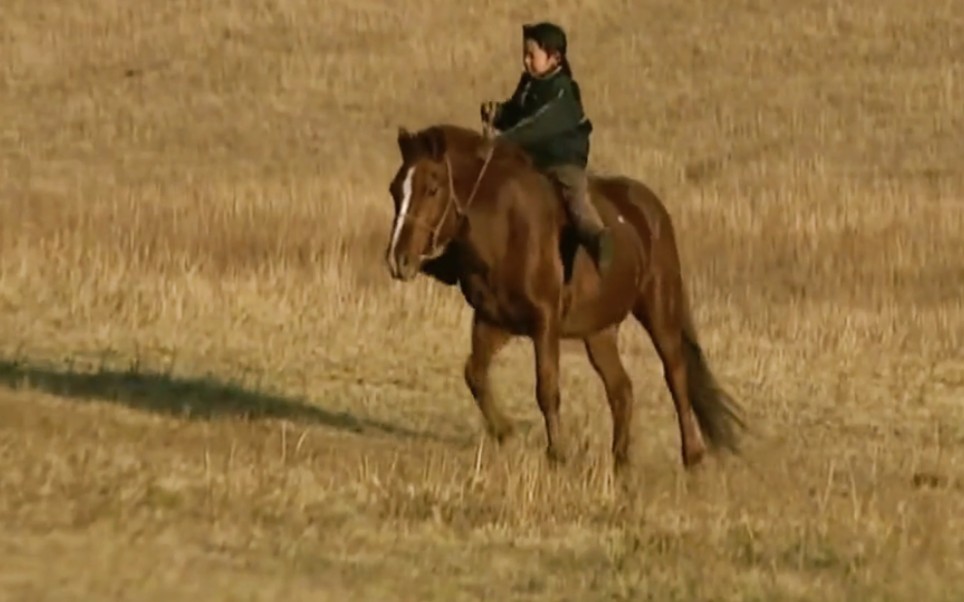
[(575, 187), (589, 226)]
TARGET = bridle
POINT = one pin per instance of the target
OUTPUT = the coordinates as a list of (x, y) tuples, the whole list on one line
[(437, 249)]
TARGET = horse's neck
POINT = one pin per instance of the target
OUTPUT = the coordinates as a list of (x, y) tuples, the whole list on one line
[(492, 209), (470, 169)]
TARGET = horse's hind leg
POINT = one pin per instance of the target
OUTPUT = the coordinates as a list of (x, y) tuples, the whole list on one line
[(487, 340), (660, 310), (545, 342), (603, 351)]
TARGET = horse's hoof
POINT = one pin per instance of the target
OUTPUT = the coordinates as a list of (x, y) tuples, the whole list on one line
[(693, 457), (620, 463), (502, 432), (555, 456)]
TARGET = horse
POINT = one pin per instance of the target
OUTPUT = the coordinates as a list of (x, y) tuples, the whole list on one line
[(474, 212)]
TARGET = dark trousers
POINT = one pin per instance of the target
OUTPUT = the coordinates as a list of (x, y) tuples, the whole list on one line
[(575, 187)]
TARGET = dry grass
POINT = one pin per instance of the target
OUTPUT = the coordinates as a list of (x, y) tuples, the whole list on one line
[(211, 391)]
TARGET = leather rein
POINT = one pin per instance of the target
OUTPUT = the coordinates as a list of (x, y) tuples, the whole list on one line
[(436, 249)]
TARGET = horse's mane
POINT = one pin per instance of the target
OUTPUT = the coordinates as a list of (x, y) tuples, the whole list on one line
[(465, 141)]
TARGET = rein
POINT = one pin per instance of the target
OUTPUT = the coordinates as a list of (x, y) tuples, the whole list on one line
[(460, 210)]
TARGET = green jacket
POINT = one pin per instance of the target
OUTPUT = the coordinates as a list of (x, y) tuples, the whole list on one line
[(545, 117)]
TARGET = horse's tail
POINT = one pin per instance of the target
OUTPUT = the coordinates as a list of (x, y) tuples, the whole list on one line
[(717, 412)]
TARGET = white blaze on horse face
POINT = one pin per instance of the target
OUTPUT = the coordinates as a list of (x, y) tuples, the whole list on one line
[(403, 209)]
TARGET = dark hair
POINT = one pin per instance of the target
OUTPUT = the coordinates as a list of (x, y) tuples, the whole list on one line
[(551, 38)]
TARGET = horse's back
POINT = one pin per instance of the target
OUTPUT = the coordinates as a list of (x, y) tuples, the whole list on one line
[(620, 198), (623, 191), (635, 216)]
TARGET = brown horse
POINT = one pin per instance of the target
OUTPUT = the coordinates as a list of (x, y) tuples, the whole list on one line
[(479, 215)]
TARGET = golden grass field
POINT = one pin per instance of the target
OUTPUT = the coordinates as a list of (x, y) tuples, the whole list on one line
[(210, 389)]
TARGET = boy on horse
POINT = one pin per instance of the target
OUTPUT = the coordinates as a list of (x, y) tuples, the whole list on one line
[(545, 117)]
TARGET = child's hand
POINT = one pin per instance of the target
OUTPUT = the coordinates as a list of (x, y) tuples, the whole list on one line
[(489, 111), (487, 145)]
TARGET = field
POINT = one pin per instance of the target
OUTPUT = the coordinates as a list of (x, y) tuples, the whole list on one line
[(210, 389)]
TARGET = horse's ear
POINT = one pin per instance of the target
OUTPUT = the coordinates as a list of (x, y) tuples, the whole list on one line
[(406, 142), (435, 143)]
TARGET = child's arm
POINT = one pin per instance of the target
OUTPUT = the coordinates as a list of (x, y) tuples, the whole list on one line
[(507, 113), (561, 114)]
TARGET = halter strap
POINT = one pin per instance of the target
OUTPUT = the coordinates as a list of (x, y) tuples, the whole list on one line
[(460, 210)]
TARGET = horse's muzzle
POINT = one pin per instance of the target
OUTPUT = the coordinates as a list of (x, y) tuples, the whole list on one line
[(402, 267)]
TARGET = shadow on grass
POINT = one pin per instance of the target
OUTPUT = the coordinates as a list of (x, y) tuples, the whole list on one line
[(189, 398)]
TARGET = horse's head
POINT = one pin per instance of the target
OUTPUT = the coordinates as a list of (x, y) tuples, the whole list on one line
[(424, 200)]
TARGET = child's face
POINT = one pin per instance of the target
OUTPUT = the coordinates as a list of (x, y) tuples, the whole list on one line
[(536, 60)]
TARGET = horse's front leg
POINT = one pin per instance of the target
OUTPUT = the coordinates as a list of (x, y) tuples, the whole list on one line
[(487, 340), (545, 341)]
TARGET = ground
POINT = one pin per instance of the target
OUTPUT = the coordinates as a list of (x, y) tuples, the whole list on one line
[(210, 388)]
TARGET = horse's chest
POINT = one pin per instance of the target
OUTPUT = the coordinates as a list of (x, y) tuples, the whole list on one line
[(496, 304)]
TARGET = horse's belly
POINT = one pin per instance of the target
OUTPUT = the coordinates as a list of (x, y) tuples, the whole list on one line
[(590, 304), (584, 314)]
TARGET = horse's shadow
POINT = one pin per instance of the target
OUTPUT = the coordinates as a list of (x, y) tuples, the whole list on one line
[(189, 398)]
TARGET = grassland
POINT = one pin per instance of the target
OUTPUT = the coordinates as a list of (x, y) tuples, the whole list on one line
[(211, 390)]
